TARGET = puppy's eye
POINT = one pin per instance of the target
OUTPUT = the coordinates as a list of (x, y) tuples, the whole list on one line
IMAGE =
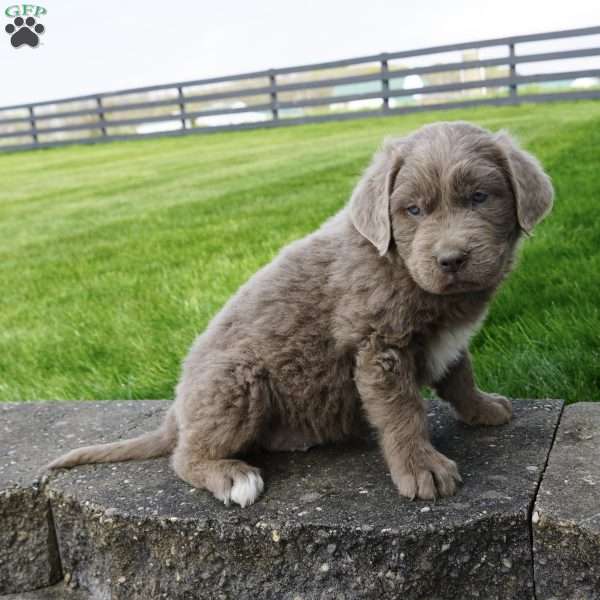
[(413, 210), (479, 197)]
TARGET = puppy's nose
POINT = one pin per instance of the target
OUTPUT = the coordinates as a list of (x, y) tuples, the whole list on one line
[(452, 261)]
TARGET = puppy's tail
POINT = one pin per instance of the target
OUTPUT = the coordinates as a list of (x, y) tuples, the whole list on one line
[(149, 445)]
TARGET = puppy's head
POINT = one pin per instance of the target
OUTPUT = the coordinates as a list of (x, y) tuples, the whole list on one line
[(452, 199)]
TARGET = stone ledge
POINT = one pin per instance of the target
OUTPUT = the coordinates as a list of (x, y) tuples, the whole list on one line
[(31, 434), (60, 591), (330, 524), (566, 516)]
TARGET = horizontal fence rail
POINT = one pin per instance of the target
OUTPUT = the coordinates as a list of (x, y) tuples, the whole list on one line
[(358, 87)]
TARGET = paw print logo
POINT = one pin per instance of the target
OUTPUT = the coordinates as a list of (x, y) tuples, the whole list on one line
[(24, 32)]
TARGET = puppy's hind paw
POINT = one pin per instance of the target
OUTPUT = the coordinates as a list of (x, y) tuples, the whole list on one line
[(246, 489), (229, 481)]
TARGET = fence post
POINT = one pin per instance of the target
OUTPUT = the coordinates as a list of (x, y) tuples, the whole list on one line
[(101, 115), (385, 83), (181, 106), (512, 71), (34, 134), (273, 84)]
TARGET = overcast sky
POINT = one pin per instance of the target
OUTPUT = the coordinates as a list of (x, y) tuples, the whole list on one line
[(112, 44)]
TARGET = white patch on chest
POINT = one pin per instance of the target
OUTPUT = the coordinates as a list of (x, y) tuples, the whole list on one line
[(446, 347)]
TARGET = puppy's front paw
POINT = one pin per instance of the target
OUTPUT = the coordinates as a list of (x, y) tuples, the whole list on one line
[(489, 409), (425, 473)]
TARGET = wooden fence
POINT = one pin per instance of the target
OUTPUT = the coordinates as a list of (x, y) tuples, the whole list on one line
[(375, 85)]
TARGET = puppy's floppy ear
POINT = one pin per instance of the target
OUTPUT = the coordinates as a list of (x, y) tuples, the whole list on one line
[(531, 186), (370, 201)]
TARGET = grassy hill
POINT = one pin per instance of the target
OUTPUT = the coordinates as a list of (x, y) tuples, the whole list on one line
[(113, 257)]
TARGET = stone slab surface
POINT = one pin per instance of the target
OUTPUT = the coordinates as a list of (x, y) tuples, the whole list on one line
[(60, 591), (566, 517), (330, 524), (30, 435)]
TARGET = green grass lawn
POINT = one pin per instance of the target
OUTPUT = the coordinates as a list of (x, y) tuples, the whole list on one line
[(113, 257)]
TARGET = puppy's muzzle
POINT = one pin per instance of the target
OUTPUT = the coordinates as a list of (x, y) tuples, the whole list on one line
[(450, 261)]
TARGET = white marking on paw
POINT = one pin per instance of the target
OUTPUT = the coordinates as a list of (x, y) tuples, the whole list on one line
[(246, 489), (224, 497)]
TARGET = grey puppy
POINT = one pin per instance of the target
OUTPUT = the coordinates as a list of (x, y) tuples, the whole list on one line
[(352, 320)]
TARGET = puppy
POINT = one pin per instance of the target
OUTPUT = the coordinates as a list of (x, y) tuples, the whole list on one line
[(352, 320)]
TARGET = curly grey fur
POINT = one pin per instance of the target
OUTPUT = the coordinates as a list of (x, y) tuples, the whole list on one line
[(350, 321)]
